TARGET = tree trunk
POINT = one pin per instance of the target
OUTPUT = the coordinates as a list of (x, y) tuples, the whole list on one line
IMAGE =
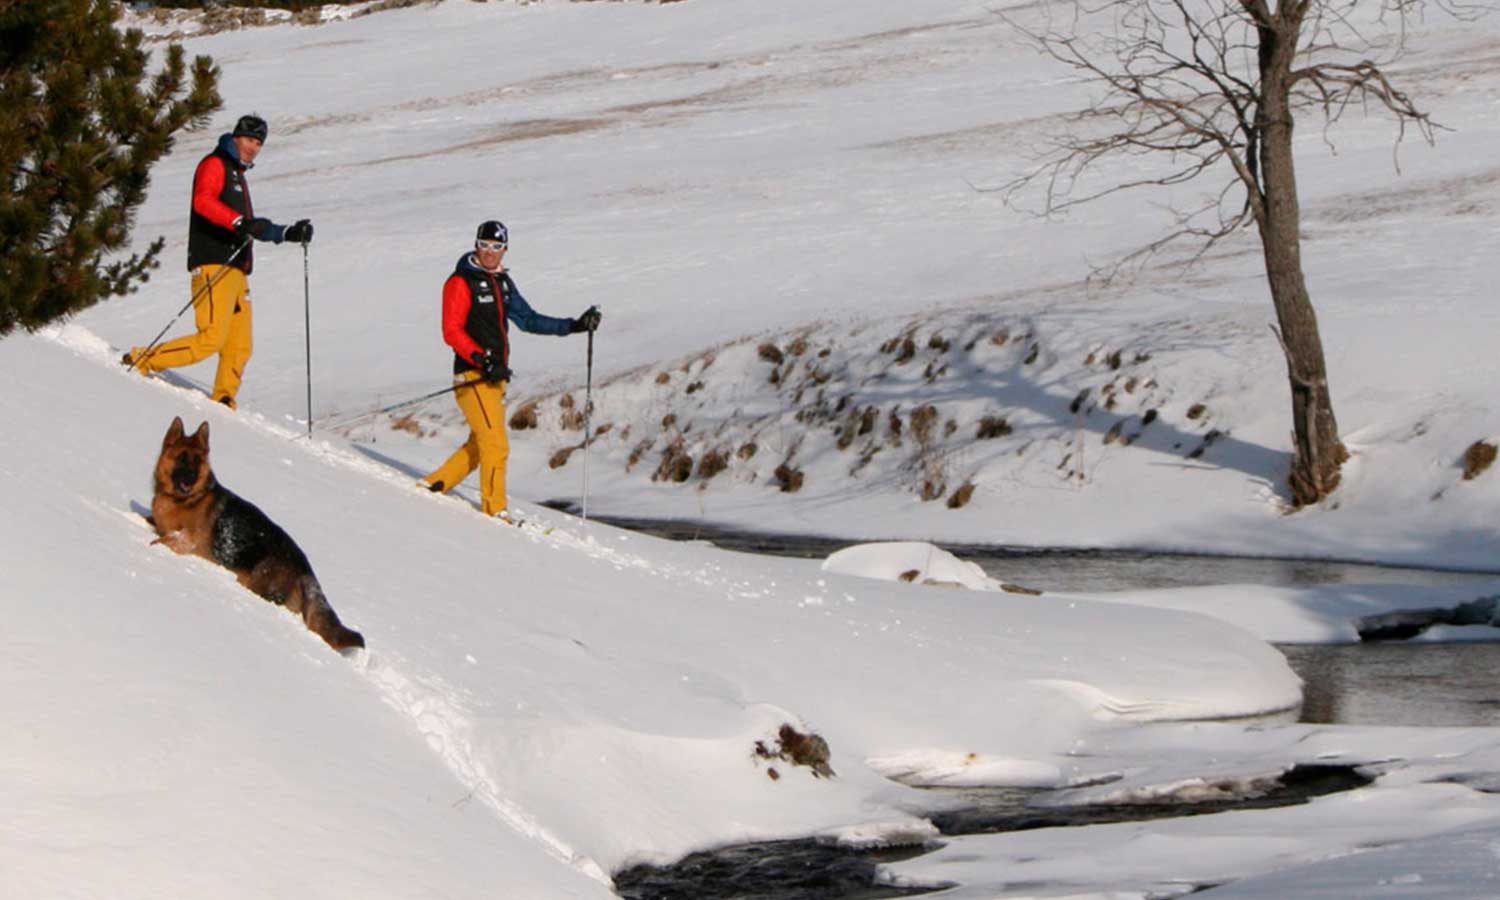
[(1318, 451)]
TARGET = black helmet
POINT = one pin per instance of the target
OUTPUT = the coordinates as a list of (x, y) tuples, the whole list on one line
[(493, 230), (251, 126)]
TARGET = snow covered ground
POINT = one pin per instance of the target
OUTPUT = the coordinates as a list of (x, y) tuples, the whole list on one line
[(538, 709)]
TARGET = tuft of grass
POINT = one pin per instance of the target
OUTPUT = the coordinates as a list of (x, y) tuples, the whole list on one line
[(789, 478), (560, 458), (770, 353), (962, 496), (525, 417), (676, 464), (1478, 458), (992, 427), (746, 450), (712, 463)]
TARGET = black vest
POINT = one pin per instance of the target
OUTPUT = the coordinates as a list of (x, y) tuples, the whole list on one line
[(208, 244), (486, 323)]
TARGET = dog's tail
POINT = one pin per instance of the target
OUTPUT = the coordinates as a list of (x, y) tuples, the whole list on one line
[(320, 618)]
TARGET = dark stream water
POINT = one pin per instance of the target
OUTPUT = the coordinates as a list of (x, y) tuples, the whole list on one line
[(1394, 683)]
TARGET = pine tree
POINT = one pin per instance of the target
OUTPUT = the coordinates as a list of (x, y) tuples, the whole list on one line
[(84, 122)]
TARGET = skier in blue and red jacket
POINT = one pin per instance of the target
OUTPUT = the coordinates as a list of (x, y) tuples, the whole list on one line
[(479, 302)]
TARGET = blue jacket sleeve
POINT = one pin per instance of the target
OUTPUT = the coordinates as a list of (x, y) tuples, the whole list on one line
[(527, 319)]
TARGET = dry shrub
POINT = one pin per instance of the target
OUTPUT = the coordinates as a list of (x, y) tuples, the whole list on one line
[(789, 478), (572, 420), (1196, 411), (770, 353), (922, 420), (1114, 360), (408, 425), (908, 350), (668, 420), (933, 489), (712, 463), (525, 417), (949, 427), (560, 458), (867, 420), (797, 347), (566, 401), (638, 451), (992, 427), (601, 430), (695, 387), (1130, 385), (962, 496), (1479, 456), (939, 343), (676, 465), (1078, 401), (746, 450), (799, 749), (1113, 434), (909, 575), (663, 377), (1149, 417), (1018, 589), (1000, 337)]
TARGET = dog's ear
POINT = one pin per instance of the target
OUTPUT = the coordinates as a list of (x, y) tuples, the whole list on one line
[(174, 431), (200, 437)]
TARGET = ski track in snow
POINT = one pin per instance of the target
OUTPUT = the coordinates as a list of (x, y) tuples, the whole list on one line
[(439, 716)]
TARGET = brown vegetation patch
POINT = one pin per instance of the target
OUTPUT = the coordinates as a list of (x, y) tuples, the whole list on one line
[(799, 749), (746, 450), (407, 424), (566, 401), (1000, 337), (560, 458), (933, 489), (712, 463), (1113, 434), (909, 575), (695, 387), (1196, 411), (1018, 589), (797, 347), (770, 353), (572, 420), (907, 351), (939, 343), (663, 377), (638, 451), (962, 496), (525, 417), (922, 420), (668, 420), (788, 478), (676, 465), (992, 427), (1479, 456)]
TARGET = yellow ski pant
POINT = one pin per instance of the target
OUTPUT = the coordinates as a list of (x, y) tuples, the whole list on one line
[(488, 446), (222, 310)]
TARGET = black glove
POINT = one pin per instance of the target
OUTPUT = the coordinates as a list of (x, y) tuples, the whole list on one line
[(489, 366), (300, 232), (589, 321), (258, 228)]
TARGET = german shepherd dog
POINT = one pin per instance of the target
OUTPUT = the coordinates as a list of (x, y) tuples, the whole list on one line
[(195, 514)]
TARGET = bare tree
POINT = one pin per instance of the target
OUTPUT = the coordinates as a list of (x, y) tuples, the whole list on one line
[(1211, 89)]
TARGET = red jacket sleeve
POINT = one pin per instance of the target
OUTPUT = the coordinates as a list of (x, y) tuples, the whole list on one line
[(455, 314), (208, 183)]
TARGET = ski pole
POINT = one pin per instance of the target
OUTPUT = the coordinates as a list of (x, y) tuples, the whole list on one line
[(307, 333), (146, 353), (588, 408), (395, 406)]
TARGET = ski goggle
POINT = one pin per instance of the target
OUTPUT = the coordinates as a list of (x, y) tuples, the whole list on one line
[(490, 245)]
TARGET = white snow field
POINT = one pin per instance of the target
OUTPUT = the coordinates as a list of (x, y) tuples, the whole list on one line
[(541, 707)]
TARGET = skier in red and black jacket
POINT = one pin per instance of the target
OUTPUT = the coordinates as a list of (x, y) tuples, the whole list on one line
[(480, 300), (221, 226)]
